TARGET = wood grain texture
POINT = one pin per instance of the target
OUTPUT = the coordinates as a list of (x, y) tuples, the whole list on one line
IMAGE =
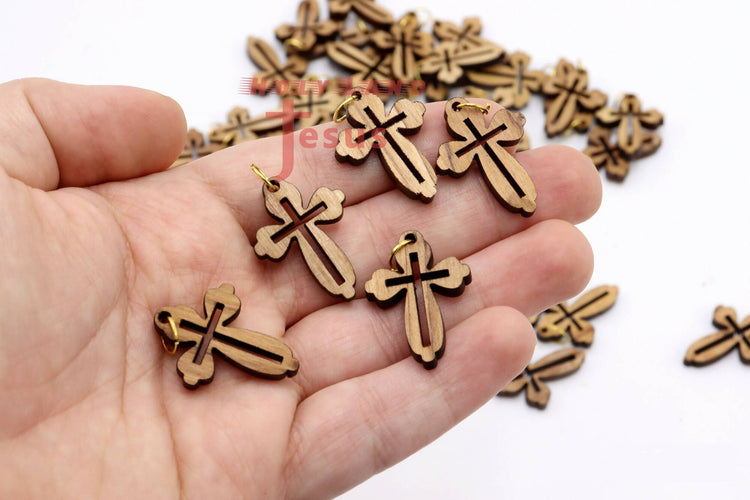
[(196, 147), (716, 345), (386, 133), (511, 78), (568, 94), (326, 261), (406, 44), (271, 68), (449, 59), (368, 10), (630, 121), (417, 280), (466, 35), (606, 155), (558, 364), (241, 127), (489, 147), (262, 355), (309, 31), (364, 65), (318, 102), (571, 319)]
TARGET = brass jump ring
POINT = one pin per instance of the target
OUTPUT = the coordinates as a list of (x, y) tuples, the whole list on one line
[(294, 43), (401, 244), (175, 337), (338, 117), (485, 109), (269, 182)]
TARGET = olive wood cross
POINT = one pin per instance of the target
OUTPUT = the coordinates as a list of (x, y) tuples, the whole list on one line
[(417, 279), (732, 333), (403, 162), (257, 353), (485, 146), (326, 261)]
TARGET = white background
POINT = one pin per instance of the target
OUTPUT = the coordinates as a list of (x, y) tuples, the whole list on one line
[(634, 420)]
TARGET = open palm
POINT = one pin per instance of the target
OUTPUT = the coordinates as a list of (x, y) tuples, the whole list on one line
[(96, 238)]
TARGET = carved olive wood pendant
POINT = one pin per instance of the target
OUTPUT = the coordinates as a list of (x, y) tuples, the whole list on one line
[(731, 334), (416, 279), (386, 133), (571, 319), (326, 261), (485, 146), (558, 364), (257, 353)]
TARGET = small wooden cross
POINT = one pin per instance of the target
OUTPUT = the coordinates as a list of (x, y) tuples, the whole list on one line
[(450, 58), (466, 35), (402, 160), (571, 319), (485, 146), (558, 364), (630, 121), (365, 65), (271, 69), (407, 43), (323, 257), (512, 79), (567, 94), (417, 279), (257, 353), (196, 147), (315, 105), (238, 129), (731, 334), (309, 30)]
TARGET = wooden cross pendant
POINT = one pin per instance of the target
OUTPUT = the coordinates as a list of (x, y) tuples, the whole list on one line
[(568, 94), (556, 365), (195, 147), (257, 353), (309, 31), (485, 146), (572, 319), (630, 121), (242, 128), (731, 334), (415, 278), (373, 129), (323, 257)]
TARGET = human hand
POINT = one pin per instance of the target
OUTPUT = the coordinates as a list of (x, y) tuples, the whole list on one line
[(94, 241)]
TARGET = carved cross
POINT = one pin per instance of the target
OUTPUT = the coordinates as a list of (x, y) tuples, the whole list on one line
[(630, 122), (257, 353), (485, 146), (467, 34), (326, 261), (196, 147), (512, 79), (373, 129), (241, 127), (365, 65), (562, 318), (407, 43), (609, 155), (271, 69), (449, 59), (731, 334), (366, 9), (417, 280), (315, 105), (558, 364), (309, 29), (568, 92)]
